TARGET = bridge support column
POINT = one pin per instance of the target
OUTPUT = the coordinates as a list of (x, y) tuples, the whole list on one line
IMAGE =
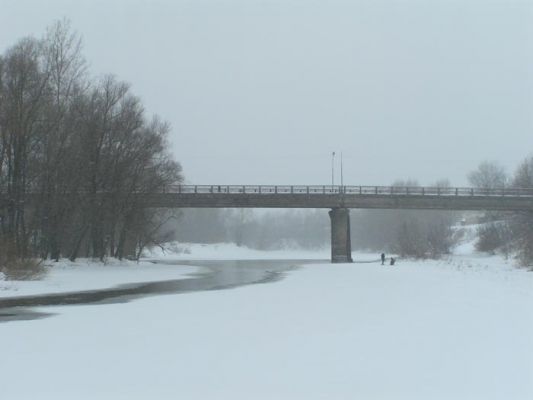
[(341, 246)]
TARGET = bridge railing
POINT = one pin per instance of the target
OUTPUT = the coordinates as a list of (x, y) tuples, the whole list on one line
[(350, 190), (338, 190)]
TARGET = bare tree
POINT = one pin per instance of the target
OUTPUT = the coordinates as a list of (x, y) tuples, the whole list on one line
[(24, 91), (67, 81), (83, 152), (488, 175)]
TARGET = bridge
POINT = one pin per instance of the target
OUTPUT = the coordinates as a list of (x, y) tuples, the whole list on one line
[(339, 199)]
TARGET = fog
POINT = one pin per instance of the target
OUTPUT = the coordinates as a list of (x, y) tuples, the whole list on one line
[(262, 92)]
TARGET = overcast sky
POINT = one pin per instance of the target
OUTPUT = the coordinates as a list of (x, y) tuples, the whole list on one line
[(261, 92)]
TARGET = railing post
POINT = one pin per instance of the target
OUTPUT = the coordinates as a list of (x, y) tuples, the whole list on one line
[(292, 189), (423, 191), (376, 188), (275, 190), (243, 189), (438, 191), (195, 189), (360, 190), (324, 189), (259, 189), (307, 189), (472, 192), (457, 191), (179, 188)]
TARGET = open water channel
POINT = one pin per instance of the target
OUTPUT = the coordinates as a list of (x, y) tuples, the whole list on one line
[(216, 275)]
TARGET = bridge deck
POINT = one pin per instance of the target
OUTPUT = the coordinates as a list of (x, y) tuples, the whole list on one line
[(385, 197)]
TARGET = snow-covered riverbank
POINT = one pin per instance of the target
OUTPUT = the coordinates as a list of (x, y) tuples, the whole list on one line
[(85, 274), (460, 328), (66, 276)]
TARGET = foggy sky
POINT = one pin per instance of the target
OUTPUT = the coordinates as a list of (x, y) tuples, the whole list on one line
[(261, 92)]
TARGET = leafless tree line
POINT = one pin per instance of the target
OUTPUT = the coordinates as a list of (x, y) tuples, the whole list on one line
[(411, 233), (74, 154)]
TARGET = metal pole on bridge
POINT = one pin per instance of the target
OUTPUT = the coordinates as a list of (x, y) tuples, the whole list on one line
[(333, 169), (342, 178)]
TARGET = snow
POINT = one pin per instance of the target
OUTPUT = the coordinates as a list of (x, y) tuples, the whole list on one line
[(86, 274), (460, 328)]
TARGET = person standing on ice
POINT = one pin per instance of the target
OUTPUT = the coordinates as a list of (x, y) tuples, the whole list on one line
[(382, 258)]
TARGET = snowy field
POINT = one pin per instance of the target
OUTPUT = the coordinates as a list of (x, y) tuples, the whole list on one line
[(460, 328)]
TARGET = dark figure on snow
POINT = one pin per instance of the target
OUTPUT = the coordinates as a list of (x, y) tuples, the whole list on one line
[(382, 258), (392, 261)]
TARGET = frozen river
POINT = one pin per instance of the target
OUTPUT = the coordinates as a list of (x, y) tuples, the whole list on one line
[(457, 328), (216, 275)]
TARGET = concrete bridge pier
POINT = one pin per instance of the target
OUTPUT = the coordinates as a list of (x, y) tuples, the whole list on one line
[(341, 246)]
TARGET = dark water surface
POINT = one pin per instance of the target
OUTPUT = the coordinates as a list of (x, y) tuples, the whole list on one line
[(218, 275)]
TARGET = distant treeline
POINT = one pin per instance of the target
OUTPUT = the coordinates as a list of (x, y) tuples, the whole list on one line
[(73, 150), (410, 233), (267, 230)]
